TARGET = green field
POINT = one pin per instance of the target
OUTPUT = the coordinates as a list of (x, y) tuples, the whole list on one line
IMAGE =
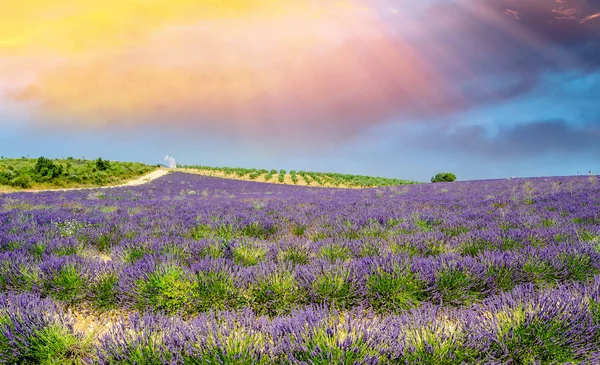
[(301, 177)]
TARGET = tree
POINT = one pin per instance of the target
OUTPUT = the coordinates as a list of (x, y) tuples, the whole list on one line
[(443, 177), (102, 165)]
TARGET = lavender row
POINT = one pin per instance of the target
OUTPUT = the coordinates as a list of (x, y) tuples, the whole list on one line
[(387, 284), (560, 325)]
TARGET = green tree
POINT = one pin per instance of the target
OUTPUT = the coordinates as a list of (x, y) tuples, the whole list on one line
[(443, 177)]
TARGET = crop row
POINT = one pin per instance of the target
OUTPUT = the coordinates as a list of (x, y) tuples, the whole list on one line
[(320, 178), (560, 325), (388, 284)]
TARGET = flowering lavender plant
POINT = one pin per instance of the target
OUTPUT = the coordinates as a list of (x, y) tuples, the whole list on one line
[(196, 270)]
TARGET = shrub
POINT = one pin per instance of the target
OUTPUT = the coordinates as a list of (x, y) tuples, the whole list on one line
[(104, 292), (455, 287), (335, 288), (248, 255), (216, 290), (66, 284), (295, 255), (47, 169), (395, 291), (34, 331), (22, 181), (167, 289), (443, 177), (276, 294), (335, 252), (27, 173)]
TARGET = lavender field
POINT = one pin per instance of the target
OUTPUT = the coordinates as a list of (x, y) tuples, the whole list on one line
[(197, 270)]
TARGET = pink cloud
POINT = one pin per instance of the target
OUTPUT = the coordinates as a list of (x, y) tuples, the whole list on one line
[(339, 92), (589, 17), (513, 14)]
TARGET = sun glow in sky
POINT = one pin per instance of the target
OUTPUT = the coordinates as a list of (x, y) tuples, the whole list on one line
[(322, 71), (247, 64)]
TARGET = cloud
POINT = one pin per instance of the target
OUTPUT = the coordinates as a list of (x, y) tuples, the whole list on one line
[(293, 69), (337, 92), (499, 50), (590, 17), (254, 75), (529, 140), (513, 13)]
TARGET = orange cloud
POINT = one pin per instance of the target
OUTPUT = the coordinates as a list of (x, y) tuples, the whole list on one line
[(359, 82), (248, 67)]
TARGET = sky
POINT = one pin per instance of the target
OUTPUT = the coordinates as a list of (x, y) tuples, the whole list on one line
[(403, 88)]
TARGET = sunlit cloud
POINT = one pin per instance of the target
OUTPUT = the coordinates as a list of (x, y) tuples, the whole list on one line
[(590, 17), (328, 67)]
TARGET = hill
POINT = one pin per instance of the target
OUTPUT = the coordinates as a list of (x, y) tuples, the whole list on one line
[(44, 173)]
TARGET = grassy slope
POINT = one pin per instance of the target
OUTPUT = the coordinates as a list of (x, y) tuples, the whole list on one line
[(301, 177), (20, 174)]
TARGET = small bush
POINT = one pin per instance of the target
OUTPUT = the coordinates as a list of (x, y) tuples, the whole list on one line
[(457, 287), (47, 169), (167, 289), (248, 255), (336, 252), (276, 294), (299, 229), (66, 285), (134, 254), (104, 292), (216, 290), (335, 288), (295, 255), (27, 173), (395, 291), (22, 181)]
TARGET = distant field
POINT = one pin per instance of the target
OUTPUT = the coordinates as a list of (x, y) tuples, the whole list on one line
[(304, 178), (43, 173)]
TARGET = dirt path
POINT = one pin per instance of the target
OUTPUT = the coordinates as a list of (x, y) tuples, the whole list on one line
[(146, 178), (139, 181)]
